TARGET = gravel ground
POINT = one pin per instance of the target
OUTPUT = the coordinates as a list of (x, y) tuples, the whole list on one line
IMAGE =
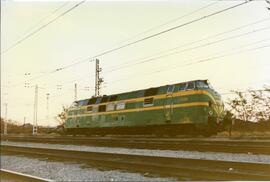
[(68, 171), (165, 153)]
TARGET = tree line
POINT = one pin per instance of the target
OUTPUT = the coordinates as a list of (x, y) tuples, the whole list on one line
[(249, 110)]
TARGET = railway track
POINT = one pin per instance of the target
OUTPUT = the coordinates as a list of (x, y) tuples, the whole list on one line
[(182, 169), (8, 175), (202, 145)]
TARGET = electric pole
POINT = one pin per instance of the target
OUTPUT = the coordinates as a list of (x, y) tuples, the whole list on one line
[(24, 119), (98, 79), (5, 125), (75, 92), (35, 111), (47, 107)]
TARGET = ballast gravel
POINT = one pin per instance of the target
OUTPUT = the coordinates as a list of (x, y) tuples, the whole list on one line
[(59, 171), (249, 157)]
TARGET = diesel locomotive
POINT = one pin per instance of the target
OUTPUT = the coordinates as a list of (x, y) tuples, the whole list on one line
[(192, 107)]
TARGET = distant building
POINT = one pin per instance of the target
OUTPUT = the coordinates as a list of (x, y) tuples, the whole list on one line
[(27, 125)]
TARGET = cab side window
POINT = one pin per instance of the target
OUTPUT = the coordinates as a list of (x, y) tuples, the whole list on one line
[(120, 106), (89, 108), (190, 86), (182, 86), (110, 107), (95, 108), (170, 89), (101, 108)]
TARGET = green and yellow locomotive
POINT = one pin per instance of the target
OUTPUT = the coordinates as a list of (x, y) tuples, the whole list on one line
[(192, 107)]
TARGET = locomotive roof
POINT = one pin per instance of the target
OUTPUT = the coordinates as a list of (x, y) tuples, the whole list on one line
[(132, 94)]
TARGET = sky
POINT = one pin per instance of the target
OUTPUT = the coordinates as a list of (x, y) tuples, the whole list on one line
[(230, 49)]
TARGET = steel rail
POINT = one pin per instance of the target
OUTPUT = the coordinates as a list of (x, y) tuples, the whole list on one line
[(13, 175), (228, 146), (182, 169)]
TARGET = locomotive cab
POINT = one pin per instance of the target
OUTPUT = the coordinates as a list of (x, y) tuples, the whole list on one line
[(215, 105)]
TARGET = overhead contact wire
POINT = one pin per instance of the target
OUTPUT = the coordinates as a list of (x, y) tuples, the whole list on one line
[(154, 35), (42, 27)]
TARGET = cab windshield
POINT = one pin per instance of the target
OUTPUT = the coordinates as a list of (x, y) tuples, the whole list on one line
[(202, 84), (186, 86)]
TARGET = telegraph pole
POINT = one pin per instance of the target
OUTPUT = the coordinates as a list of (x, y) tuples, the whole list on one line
[(47, 107), (75, 92), (99, 80), (35, 111), (5, 125)]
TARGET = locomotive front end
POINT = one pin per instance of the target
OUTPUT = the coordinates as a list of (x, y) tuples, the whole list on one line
[(214, 112)]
